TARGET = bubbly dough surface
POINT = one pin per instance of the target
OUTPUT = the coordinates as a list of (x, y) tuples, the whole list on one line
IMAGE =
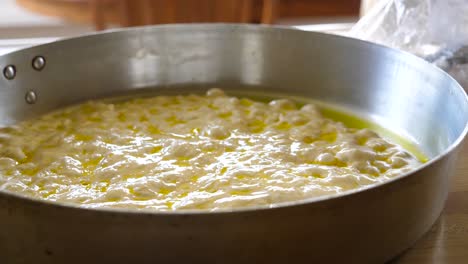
[(206, 152)]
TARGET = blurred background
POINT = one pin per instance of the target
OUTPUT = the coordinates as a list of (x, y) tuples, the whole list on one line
[(58, 18)]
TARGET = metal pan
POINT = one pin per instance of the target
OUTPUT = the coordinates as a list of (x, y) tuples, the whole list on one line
[(369, 225)]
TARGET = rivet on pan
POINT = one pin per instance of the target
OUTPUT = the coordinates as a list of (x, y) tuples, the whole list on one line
[(38, 63), (30, 97), (9, 72)]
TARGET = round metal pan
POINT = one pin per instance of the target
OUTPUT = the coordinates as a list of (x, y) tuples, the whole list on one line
[(369, 225)]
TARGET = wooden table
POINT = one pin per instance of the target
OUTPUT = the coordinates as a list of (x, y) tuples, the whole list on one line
[(447, 241)]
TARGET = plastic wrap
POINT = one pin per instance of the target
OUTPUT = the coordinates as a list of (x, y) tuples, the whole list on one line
[(436, 30)]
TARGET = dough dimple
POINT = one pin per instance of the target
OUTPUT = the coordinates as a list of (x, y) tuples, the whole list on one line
[(202, 152)]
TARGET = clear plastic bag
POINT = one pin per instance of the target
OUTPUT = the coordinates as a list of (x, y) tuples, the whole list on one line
[(436, 30)]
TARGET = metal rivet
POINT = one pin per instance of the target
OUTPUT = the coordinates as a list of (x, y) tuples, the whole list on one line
[(9, 72), (38, 63), (30, 97)]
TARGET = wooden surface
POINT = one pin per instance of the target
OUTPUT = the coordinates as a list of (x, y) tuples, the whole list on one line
[(165, 11), (147, 12), (447, 241), (318, 8)]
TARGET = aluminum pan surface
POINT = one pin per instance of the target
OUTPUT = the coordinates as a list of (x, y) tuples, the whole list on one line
[(340, 60)]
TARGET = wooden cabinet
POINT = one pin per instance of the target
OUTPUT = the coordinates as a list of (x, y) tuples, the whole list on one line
[(311, 8), (141, 12)]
